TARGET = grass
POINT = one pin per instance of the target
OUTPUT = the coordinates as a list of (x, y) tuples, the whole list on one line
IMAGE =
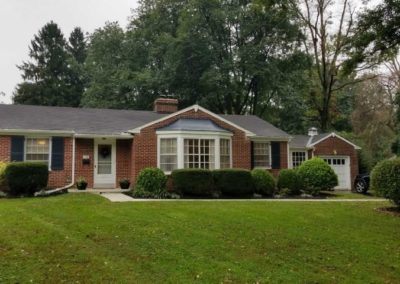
[(83, 238), (343, 194)]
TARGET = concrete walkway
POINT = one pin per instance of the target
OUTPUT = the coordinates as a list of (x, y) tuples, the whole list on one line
[(117, 197), (120, 197)]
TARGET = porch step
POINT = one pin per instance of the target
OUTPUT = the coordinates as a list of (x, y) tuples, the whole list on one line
[(98, 190)]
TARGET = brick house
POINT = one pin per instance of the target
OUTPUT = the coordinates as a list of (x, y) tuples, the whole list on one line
[(104, 145)]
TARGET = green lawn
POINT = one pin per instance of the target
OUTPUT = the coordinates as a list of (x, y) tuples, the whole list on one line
[(343, 194), (83, 238)]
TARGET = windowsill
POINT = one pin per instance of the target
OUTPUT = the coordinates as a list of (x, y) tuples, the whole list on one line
[(263, 168)]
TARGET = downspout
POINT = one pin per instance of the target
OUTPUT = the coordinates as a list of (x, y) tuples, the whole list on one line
[(64, 188)]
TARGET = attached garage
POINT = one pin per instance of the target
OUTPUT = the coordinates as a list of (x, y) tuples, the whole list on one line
[(338, 152), (341, 166)]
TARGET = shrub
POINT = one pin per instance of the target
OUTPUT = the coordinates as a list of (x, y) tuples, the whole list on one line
[(289, 182), (233, 182), (3, 166), (385, 180), (317, 175), (26, 178), (151, 180), (197, 182), (264, 182)]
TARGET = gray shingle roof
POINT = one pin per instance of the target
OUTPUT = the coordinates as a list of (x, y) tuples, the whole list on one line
[(185, 124), (257, 125), (302, 141), (106, 121)]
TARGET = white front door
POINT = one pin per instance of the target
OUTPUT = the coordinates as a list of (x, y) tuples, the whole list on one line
[(104, 163), (341, 166)]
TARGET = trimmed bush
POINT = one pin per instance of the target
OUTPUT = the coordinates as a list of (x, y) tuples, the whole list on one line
[(289, 182), (26, 178), (317, 175), (3, 185), (197, 182), (264, 182), (385, 180), (233, 182), (151, 180)]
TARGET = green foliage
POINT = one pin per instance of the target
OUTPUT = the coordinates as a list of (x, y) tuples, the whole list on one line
[(3, 166), (385, 180), (234, 182), (152, 181), (26, 178), (264, 182), (289, 182), (317, 175), (197, 182), (49, 77)]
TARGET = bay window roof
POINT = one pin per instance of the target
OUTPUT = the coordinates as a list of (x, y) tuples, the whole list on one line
[(186, 124)]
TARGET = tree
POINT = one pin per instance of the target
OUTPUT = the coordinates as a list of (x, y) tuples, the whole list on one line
[(2, 94), (107, 68), (328, 38), (377, 35), (77, 45), (47, 77)]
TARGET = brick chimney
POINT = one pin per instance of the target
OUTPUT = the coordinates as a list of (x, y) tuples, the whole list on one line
[(165, 105)]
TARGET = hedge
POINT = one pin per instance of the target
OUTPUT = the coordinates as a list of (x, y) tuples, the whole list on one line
[(196, 182), (264, 182), (385, 180), (3, 166), (152, 180), (317, 175), (289, 182), (234, 182), (26, 178)]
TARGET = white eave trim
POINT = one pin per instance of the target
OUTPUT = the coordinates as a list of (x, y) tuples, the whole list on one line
[(194, 132), (333, 134), (195, 108), (120, 136)]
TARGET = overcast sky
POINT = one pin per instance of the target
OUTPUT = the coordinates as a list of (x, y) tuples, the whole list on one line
[(20, 20)]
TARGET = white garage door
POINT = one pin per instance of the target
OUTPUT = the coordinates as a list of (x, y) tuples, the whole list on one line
[(341, 166)]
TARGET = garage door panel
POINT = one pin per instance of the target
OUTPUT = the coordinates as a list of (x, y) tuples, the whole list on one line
[(341, 166)]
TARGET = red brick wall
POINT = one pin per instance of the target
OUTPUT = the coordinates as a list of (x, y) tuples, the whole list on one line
[(63, 177), (84, 147), (124, 168), (334, 146), (5, 148), (144, 153)]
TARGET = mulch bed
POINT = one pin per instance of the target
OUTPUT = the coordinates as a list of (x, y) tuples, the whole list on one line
[(394, 211)]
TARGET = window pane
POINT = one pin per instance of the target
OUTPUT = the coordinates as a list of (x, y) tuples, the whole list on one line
[(168, 154), (37, 150), (298, 158), (199, 153), (225, 153), (261, 154)]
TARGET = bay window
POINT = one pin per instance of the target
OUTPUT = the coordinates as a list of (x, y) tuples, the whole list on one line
[(262, 154), (168, 154), (37, 150), (225, 153), (199, 153)]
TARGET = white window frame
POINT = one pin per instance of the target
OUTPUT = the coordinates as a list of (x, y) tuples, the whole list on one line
[(182, 135), (159, 150), (230, 152), (39, 137), (270, 154), (291, 156)]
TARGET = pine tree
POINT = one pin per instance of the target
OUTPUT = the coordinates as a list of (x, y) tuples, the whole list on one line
[(77, 45), (48, 76)]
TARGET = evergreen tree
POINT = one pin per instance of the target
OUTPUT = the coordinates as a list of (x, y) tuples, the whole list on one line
[(77, 45), (48, 75)]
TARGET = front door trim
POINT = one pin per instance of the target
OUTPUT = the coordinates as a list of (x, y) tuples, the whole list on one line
[(105, 181)]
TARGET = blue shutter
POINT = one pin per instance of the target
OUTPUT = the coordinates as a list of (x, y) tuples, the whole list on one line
[(17, 148), (57, 154), (276, 155)]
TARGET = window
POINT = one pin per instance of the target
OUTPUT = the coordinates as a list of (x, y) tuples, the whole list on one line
[(168, 154), (335, 161), (199, 153), (298, 158), (261, 155), (225, 153), (37, 150)]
